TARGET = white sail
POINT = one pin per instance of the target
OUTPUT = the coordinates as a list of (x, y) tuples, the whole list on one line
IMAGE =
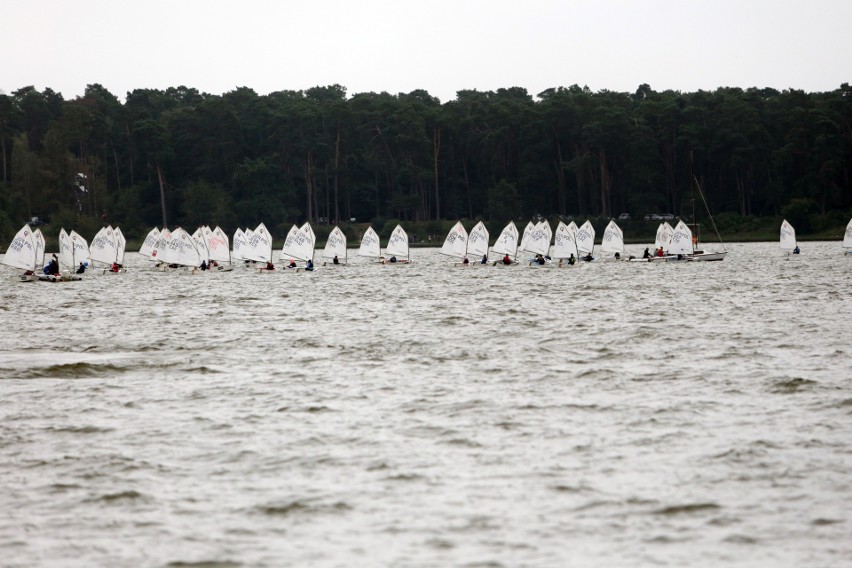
[(163, 240), (259, 245), (103, 247), (585, 238), (398, 243), (847, 238), (370, 245), (664, 236), (525, 238), (218, 246), (22, 250), (120, 244), (477, 241), (538, 241), (181, 250), (564, 242), (81, 248), (456, 242), (239, 244), (335, 245), (507, 242), (150, 242), (66, 250), (681, 242), (788, 236), (299, 244), (201, 244), (38, 238), (613, 239)]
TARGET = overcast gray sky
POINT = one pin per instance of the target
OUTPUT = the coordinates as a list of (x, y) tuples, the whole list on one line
[(442, 46)]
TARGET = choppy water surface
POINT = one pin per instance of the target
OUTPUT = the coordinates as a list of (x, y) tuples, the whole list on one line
[(611, 414)]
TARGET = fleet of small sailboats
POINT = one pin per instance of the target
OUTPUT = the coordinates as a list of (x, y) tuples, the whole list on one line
[(210, 248)]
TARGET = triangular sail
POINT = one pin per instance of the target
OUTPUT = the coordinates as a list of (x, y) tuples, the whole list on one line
[(477, 241), (240, 244), (120, 244), (507, 242), (681, 242), (585, 238), (613, 239), (218, 246), (103, 247), (539, 238), (847, 238), (370, 245), (147, 248), (335, 245), (259, 245), (788, 236), (81, 248), (456, 242), (664, 236), (564, 242), (181, 250), (201, 244), (299, 244), (525, 238), (398, 243), (163, 240), (38, 238), (22, 250), (66, 250)]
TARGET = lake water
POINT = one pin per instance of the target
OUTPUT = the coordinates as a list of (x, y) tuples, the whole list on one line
[(610, 414)]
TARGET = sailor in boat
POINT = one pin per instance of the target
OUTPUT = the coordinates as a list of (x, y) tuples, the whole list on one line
[(117, 267), (392, 259), (572, 259), (53, 267), (212, 264), (203, 265), (660, 252), (334, 260), (484, 259), (270, 266), (646, 254), (292, 263), (309, 265), (507, 260), (617, 256), (81, 269), (465, 261), (796, 250), (588, 257)]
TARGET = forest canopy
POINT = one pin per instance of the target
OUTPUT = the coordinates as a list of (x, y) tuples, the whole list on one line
[(182, 157)]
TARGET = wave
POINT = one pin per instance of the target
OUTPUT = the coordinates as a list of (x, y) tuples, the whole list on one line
[(687, 509)]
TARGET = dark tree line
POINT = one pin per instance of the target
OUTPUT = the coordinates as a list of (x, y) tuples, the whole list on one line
[(181, 157)]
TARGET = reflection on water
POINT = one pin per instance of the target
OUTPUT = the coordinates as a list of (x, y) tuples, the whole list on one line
[(609, 414)]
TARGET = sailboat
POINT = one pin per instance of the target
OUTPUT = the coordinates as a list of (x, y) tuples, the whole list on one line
[(73, 251), (506, 244), (788, 238), (238, 244), (23, 253), (218, 248), (299, 244), (612, 240), (335, 247), (455, 244), (107, 250), (847, 238), (564, 244), (148, 245), (397, 247), (477, 244), (538, 242), (370, 245), (700, 255), (180, 250), (585, 238)]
